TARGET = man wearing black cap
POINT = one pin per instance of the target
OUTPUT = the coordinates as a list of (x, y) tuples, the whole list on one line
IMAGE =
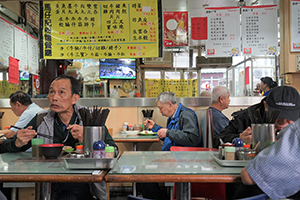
[(283, 98)]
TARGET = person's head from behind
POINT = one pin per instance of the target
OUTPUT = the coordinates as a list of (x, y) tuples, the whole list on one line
[(63, 93), (220, 95), (19, 101), (166, 102), (267, 83), (285, 99)]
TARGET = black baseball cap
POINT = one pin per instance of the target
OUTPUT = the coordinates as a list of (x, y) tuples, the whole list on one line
[(286, 99)]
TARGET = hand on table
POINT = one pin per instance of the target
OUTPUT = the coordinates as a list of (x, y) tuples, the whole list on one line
[(149, 123), (246, 136), (76, 131), (24, 136), (162, 133)]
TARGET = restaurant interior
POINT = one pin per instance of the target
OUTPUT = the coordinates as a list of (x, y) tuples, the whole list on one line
[(186, 68)]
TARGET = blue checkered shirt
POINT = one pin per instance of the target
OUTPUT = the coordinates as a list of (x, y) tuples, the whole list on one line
[(276, 169)]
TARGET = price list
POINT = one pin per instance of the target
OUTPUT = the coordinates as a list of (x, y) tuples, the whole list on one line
[(6, 41), (223, 31), (21, 48), (259, 30), (33, 55), (295, 25)]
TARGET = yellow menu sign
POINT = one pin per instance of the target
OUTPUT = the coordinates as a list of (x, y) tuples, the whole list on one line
[(100, 29)]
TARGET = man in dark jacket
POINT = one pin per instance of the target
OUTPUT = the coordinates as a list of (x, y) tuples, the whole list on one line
[(182, 125), (286, 99)]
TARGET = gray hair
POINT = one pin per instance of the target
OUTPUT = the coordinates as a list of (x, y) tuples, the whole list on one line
[(218, 91), (166, 97)]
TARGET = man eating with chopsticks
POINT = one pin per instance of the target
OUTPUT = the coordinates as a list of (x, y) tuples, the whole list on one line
[(62, 121)]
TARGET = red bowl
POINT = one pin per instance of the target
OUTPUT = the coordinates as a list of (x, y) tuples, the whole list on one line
[(51, 151)]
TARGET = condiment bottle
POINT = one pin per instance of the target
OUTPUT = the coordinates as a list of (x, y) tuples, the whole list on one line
[(99, 149), (79, 148), (229, 153), (223, 149), (125, 126), (109, 152)]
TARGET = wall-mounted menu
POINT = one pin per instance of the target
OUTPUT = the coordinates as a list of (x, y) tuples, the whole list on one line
[(6, 41), (21, 48), (295, 26), (259, 30), (100, 29), (223, 31), (33, 52)]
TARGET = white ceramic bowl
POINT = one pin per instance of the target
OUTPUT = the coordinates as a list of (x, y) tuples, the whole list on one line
[(132, 132)]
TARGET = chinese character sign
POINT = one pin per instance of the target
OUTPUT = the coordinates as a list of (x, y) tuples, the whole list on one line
[(295, 26), (100, 29), (175, 29), (223, 31), (259, 30), (199, 28)]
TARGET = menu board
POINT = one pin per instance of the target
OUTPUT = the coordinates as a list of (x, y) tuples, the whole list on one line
[(33, 55), (176, 29), (6, 41), (223, 31), (295, 25), (100, 29), (259, 30), (21, 48)]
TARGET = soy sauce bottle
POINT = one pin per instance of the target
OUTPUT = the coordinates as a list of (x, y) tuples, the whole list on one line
[(99, 149)]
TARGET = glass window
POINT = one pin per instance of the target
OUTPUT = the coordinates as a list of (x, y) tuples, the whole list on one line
[(190, 75), (152, 74), (172, 75), (212, 77)]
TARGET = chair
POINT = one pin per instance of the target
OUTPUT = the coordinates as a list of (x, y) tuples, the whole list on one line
[(206, 129), (216, 191), (256, 197)]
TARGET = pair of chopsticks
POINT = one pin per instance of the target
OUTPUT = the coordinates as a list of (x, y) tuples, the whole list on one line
[(40, 134)]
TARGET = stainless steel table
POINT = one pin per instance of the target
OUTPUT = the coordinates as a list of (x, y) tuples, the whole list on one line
[(167, 166)]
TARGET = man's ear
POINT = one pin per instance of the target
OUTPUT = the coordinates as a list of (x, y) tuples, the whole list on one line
[(75, 98), (18, 104), (221, 99)]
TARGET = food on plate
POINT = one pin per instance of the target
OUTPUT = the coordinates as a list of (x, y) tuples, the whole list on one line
[(146, 132)]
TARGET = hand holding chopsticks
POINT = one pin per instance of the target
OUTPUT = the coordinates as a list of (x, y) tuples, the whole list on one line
[(40, 134)]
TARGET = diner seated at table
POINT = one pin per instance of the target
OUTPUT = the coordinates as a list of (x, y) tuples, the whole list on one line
[(182, 124), (63, 121), (282, 98), (23, 107), (219, 101), (182, 130), (275, 170)]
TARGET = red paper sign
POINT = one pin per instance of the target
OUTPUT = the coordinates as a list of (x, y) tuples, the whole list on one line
[(176, 29), (247, 81), (199, 28), (13, 70)]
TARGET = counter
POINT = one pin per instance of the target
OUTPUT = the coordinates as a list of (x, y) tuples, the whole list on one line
[(143, 102)]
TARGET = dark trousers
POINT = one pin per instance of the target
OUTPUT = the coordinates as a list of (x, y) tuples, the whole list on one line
[(152, 191), (70, 191)]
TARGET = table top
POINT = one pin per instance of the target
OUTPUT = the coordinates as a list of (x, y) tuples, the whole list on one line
[(167, 166), (135, 138), (21, 166)]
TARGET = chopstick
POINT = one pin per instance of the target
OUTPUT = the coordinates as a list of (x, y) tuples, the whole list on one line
[(40, 134)]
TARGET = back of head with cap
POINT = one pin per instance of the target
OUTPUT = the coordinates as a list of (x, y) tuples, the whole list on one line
[(286, 99)]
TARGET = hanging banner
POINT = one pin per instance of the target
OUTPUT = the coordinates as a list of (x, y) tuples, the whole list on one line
[(176, 29), (21, 48), (259, 30), (223, 32), (100, 29), (13, 70), (295, 25), (6, 41), (199, 28)]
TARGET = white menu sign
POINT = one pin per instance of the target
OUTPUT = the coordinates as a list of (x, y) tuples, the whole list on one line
[(21, 48), (223, 31), (33, 52), (6, 41), (260, 30), (295, 25)]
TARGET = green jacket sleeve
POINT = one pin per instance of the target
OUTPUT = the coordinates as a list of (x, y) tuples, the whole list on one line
[(108, 139)]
